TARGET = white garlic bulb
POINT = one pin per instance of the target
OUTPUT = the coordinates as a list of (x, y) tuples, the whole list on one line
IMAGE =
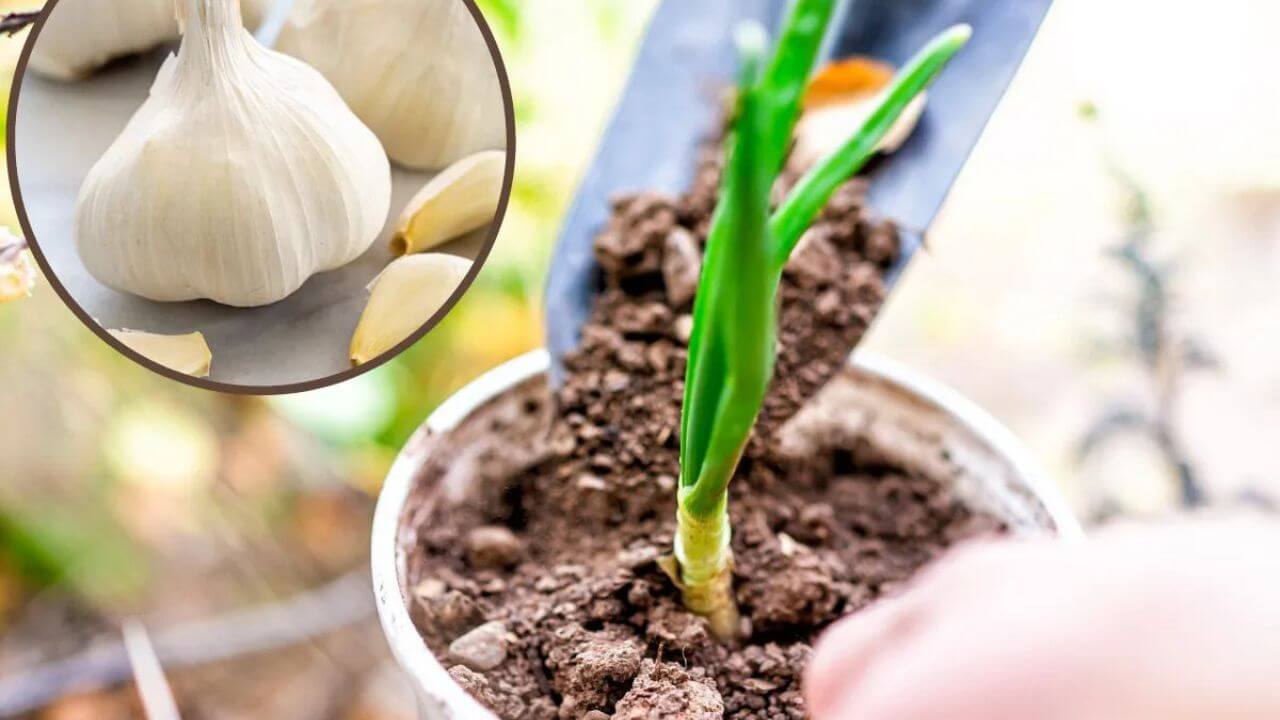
[(418, 72), (242, 175), (81, 36)]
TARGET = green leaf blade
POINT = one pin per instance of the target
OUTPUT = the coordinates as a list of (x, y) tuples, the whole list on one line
[(727, 374), (787, 78), (813, 191)]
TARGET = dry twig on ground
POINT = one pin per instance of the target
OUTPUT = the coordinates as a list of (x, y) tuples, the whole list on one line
[(340, 604)]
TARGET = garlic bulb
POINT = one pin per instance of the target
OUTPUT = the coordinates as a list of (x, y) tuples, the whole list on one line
[(81, 36), (241, 176), (463, 198), (417, 71), (408, 293), (187, 354)]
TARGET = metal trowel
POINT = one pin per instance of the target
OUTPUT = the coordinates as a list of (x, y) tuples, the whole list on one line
[(669, 106)]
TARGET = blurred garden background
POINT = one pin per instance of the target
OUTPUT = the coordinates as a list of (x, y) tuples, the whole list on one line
[(1104, 280)]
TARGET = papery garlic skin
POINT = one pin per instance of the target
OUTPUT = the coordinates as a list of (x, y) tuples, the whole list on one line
[(81, 36), (418, 72), (241, 176), (408, 293)]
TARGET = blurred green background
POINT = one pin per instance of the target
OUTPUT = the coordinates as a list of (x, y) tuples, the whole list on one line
[(122, 493), (1089, 328), (91, 425)]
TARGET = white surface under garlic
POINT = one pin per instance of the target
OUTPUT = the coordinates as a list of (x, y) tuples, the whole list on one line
[(241, 176)]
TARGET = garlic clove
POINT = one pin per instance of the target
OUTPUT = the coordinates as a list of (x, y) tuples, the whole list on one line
[(839, 100), (463, 198), (81, 36), (242, 175), (188, 354), (408, 293), (822, 131), (418, 72), (851, 77)]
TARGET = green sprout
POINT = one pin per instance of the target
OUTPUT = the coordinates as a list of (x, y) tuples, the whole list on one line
[(732, 348)]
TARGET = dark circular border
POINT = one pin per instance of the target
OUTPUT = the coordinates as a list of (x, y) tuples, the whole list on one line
[(508, 102)]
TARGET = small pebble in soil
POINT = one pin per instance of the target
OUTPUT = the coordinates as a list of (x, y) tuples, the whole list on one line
[(635, 557), (681, 267), (787, 545), (430, 589), (881, 244), (493, 547), (829, 305), (684, 328), (815, 262), (484, 648), (616, 381), (453, 611), (644, 319), (498, 698)]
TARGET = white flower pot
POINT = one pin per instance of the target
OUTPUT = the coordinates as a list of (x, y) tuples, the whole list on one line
[(1001, 478)]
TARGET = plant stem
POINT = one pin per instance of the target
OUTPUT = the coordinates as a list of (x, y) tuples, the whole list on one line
[(784, 82), (706, 569), (714, 429), (733, 345)]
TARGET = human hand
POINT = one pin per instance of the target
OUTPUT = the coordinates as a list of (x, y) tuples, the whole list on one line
[(1178, 621)]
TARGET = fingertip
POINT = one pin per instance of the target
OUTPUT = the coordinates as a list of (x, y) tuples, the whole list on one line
[(820, 679), (842, 654)]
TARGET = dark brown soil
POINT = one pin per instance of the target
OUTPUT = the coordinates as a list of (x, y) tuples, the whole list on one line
[(569, 502)]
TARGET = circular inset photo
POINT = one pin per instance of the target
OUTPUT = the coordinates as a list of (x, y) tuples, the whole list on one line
[(261, 196)]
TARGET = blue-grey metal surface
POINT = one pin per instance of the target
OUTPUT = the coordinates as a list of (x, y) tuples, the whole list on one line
[(669, 105), (910, 186)]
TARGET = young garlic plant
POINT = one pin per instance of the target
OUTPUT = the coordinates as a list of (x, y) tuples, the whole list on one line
[(732, 348)]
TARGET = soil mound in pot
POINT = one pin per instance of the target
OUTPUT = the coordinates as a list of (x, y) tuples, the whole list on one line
[(534, 529)]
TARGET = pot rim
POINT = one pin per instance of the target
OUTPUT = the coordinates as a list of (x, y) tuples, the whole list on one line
[(429, 674)]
